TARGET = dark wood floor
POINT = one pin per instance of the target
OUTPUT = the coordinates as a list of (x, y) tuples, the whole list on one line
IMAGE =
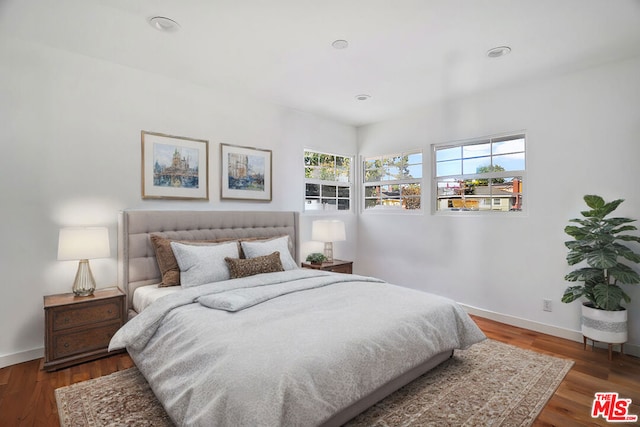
[(27, 399)]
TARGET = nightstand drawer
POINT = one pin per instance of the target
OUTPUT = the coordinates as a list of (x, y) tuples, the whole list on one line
[(345, 268), (71, 317), (337, 266), (83, 341)]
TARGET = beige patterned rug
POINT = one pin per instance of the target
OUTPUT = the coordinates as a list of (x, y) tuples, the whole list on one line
[(489, 384)]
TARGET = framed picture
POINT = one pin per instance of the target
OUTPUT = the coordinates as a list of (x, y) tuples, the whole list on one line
[(246, 173), (174, 167)]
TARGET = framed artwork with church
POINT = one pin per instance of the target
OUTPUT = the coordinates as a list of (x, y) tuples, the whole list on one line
[(174, 167), (246, 173)]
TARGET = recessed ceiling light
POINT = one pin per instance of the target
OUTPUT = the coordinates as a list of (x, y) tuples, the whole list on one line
[(340, 44), (164, 24), (363, 97), (499, 51)]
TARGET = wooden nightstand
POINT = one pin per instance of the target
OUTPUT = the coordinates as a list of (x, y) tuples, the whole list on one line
[(78, 329), (337, 266)]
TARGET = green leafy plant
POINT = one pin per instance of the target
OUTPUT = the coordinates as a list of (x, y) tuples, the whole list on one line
[(316, 258), (597, 241)]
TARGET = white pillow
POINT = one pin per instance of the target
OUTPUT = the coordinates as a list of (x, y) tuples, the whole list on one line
[(203, 264), (258, 248)]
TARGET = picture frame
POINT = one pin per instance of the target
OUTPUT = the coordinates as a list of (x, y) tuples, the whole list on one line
[(174, 167), (245, 173)]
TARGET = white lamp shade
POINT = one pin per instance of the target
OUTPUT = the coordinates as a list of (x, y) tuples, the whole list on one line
[(328, 231), (83, 243)]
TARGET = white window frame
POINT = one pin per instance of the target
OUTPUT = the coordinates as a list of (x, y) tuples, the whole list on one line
[(404, 181), (325, 208), (521, 198)]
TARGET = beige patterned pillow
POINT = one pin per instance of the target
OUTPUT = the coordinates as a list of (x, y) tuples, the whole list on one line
[(243, 267)]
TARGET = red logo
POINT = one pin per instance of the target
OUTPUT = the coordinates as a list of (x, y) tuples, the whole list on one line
[(612, 408)]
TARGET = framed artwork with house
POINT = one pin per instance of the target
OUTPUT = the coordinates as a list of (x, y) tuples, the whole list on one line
[(174, 167)]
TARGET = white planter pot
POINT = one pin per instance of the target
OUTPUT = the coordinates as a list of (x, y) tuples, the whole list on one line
[(604, 326)]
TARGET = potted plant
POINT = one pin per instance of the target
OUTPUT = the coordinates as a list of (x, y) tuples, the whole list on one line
[(598, 242), (316, 258)]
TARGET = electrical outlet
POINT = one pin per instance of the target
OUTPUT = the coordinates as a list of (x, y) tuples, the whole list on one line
[(546, 304)]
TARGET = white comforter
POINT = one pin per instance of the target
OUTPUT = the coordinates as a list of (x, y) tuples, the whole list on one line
[(294, 357)]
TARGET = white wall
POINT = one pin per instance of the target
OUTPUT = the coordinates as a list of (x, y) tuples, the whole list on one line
[(70, 155), (583, 137)]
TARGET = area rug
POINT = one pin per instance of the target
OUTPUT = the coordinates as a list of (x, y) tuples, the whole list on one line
[(491, 383)]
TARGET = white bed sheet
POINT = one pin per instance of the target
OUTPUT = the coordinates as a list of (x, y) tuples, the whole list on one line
[(145, 295)]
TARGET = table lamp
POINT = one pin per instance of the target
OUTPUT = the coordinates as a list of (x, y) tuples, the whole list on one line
[(328, 231), (83, 244)]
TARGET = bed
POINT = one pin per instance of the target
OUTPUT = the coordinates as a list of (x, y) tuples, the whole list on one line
[(293, 347)]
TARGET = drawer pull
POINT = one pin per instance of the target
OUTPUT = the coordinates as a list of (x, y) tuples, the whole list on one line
[(66, 345), (66, 320), (109, 311)]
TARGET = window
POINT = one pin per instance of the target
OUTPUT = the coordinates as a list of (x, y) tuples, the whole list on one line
[(480, 175), (393, 181), (327, 180)]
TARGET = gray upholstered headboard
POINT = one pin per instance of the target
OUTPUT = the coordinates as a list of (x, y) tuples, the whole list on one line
[(137, 264)]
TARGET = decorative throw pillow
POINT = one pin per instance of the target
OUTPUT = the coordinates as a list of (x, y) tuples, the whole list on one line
[(260, 248), (239, 267), (203, 264), (167, 261)]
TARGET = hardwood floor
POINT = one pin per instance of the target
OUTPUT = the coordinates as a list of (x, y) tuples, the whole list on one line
[(26, 391), (592, 372), (27, 399)]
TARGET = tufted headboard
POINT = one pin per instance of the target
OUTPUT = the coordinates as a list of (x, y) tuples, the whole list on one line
[(137, 264)]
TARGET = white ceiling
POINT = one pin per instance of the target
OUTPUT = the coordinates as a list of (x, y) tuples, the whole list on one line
[(404, 53)]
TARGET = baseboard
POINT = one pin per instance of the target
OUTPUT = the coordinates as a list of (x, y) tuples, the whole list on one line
[(555, 331), (23, 356)]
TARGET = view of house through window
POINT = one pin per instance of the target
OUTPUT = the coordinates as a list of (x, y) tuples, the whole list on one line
[(327, 181), (480, 175), (393, 181)]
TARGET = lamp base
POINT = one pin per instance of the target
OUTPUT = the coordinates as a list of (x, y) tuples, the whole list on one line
[(328, 251), (84, 283)]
